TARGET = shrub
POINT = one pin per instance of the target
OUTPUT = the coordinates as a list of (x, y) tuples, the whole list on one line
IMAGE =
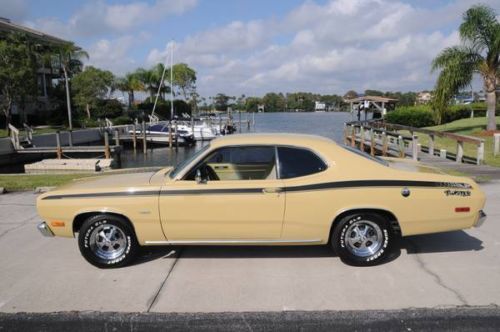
[(414, 116), (110, 108), (122, 120)]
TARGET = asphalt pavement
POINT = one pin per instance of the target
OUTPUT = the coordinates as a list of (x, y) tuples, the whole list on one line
[(439, 271)]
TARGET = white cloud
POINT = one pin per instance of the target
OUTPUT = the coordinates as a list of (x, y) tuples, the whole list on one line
[(114, 54), (329, 48), (96, 17)]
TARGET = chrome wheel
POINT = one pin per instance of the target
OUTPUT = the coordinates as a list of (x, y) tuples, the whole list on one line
[(363, 238), (108, 241)]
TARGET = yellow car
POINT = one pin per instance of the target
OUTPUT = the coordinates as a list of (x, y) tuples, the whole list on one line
[(263, 189)]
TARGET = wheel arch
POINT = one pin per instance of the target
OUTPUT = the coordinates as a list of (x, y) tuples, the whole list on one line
[(80, 218), (390, 216)]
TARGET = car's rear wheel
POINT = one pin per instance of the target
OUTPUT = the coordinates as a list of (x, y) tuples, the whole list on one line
[(107, 241), (362, 239)]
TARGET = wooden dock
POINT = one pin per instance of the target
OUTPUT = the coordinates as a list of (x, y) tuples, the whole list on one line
[(379, 138)]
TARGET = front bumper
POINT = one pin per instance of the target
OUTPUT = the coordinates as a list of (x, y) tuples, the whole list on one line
[(44, 229), (480, 219)]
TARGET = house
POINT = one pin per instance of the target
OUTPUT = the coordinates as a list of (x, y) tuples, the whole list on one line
[(48, 73), (423, 97), (375, 105), (319, 106)]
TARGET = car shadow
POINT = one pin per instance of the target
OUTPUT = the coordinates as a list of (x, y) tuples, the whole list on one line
[(429, 243), (441, 242)]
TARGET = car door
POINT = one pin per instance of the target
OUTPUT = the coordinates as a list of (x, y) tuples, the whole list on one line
[(308, 210), (237, 198)]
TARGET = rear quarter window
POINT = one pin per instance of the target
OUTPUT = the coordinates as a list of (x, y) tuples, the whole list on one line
[(296, 162)]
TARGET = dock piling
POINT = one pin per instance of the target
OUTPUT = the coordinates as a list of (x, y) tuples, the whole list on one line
[(496, 148), (107, 153), (460, 151), (372, 142), (480, 153), (385, 144), (431, 144), (58, 143), (70, 137), (414, 147), (176, 138), (401, 144), (144, 142), (362, 139), (170, 136), (134, 137), (117, 137)]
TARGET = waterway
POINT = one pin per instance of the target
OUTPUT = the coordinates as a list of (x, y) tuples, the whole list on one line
[(328, 124)]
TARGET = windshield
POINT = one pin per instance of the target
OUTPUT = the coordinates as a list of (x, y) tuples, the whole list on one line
[(366, 155), (180, 166)]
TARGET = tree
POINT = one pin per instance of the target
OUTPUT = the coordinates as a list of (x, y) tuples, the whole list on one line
[(478, 53), (184, 78), (274, 102), (17, 73), (129, 84), (90, 86), (71, 63), (221, 102), (351, 94), (252, 104), (373, 93)]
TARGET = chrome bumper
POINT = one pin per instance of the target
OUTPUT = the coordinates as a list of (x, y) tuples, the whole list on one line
[(481, 219), (44, 229)]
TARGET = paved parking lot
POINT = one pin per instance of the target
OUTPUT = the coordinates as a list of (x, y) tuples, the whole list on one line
[(40, 274)]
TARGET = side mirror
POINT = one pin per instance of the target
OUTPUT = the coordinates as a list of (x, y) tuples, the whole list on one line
[(199, 179)]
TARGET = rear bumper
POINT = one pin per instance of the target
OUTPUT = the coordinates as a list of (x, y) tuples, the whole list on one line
[(44, 229), (480, 219)]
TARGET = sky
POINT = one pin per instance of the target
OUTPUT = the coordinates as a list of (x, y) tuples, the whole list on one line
[(256, 46)]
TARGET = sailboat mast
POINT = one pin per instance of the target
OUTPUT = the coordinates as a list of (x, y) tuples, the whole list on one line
[(172, 82)]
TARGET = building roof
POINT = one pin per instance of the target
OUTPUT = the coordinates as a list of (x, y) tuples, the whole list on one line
[(7, 25), (376, 99)]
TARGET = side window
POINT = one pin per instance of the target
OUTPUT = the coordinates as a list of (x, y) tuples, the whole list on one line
[(295, 162), (238, 163)]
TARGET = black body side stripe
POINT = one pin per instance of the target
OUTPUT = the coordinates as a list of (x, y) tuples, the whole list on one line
[(111, 194), (309, 187), (377, 183)]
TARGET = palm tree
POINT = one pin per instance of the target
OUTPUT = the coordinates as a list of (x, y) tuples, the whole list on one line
[(71, 62), (478, 53), (129, 84), (150, 78)]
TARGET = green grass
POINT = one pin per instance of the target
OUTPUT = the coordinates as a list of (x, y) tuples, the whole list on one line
[(469, 127), (14, 182)]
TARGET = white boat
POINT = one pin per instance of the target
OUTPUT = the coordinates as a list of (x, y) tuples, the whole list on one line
[(159, 133), (202, 131)]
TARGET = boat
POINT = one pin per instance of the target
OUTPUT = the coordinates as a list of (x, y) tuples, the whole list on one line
[(159, 133)]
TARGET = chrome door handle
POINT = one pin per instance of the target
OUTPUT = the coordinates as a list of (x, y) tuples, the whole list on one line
[(272, 190)]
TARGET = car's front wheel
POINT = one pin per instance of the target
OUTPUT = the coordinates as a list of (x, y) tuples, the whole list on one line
[(107, 241), (362, 239)]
